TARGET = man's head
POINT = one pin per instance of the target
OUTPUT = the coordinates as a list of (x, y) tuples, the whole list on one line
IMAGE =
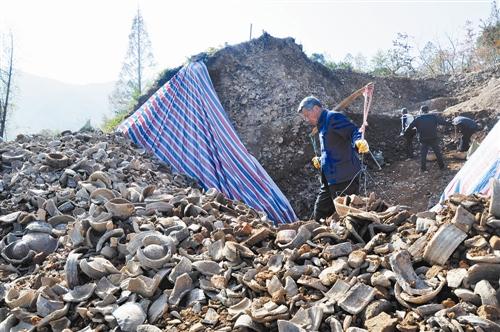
[(404, 111), (310, 107), (424, 109)]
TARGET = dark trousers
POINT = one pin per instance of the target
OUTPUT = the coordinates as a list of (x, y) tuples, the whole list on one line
[(323, 207), (425, 144), (408, 136), (408, 147)]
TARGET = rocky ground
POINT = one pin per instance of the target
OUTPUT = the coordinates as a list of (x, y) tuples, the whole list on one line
[(96, 235)]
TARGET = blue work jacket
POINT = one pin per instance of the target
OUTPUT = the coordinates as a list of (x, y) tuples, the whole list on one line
[(339, 158)]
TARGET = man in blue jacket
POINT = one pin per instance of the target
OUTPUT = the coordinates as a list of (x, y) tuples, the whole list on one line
[(339, 163)]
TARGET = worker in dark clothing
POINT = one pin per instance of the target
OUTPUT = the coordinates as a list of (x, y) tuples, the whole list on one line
[(406, 120), (340, 141), (426, 125), (466, 127)]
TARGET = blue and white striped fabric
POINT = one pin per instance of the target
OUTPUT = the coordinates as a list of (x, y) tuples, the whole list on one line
[(185, 125), (477, 173)]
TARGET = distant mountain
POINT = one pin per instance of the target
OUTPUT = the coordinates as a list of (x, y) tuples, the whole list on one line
[(46, 104)]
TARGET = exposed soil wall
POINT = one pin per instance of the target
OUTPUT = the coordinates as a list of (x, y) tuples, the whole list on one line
[(261, 82)]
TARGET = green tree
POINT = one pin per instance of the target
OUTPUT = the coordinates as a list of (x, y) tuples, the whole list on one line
[(400, 58), (488, 42), (6, 78), (318, 57), (467, 48), (138, 62), (360, 63), (381, 64)]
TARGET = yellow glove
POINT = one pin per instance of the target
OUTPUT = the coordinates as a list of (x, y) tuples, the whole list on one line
[(316, 162), (362, 146)]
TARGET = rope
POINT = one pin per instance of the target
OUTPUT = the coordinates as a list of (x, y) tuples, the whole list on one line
[(368, 94)]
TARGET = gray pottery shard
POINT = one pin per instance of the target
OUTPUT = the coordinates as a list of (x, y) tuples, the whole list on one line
[(216, 250), (275, 263), (482, 271), (269, 312), (80, 293), (329, 275), (275, 288), (338, 290), (467, 296), (357, 298), (337, 250), (303, 235), (429, 309), (288, 326), (455, 277), (54, 315), (211, 317), (495, 199), (310, 318), (246, 322), (335, 325), (120, 208), (144, 286), (104, 287), (355, 329), (291, 287), (8, 323), (312, 283), (195, 295), (19, 299), (60, 324), (184, 266), (97, 268), (240, 307), (483, 323), (463, 219), (416, 250), (284, 236), (420, 299), (405, 275), (148, 328), (443, 244), (129, 316), (182, 286), (208, 268), (45, 306), (41, 242), (71, 269), (158, 308), (10, 218), (486, 292)]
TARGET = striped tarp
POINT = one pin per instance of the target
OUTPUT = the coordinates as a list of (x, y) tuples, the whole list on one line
[(185, 125), (477, 173)]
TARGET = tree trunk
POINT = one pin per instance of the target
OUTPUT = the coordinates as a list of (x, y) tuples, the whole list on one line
[(8, 81)]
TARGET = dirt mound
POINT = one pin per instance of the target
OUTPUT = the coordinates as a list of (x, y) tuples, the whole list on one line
[(261, 82)]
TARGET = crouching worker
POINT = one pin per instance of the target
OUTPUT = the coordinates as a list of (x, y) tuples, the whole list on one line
[(466, 127), (340, 141)]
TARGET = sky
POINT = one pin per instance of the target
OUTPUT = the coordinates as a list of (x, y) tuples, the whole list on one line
[(85, 41)]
